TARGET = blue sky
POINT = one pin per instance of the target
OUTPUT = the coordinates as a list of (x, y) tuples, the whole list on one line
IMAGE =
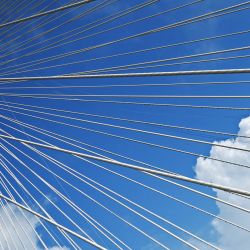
[(220, 120)]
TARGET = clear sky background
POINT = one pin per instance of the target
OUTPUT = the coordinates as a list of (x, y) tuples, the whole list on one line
[(16, 43)]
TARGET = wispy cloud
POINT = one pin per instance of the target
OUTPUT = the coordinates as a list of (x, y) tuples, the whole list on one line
[(17, 230)]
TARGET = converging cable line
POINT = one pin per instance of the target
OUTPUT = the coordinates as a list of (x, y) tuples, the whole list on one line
[(180, 84), (206, 16), (189, 42), (57, 137), (136, 96), (35, 202), (131, 166), (147, 74), (134, 129), (83, 214), (46, 13), (77, 189), (51, 222), (45, 196), (48, 21), (12, 31), (134, 140), (97, 7), (177, 184), (3, 182), (92, 95), (130, 67), (125, 119), (230, 108), (146, 64)]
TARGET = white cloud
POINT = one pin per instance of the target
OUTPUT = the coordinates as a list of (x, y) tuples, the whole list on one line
[(12, 230), (230, 238)]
